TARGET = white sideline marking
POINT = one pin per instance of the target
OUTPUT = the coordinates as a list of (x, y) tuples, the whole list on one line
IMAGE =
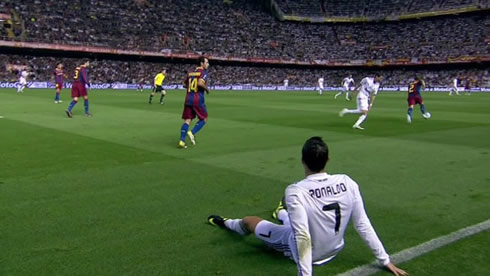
[(1, 117), (423, 248)]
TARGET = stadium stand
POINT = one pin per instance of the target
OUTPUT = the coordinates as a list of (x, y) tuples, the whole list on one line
[(110, 71), (370, 8), (244, 29)]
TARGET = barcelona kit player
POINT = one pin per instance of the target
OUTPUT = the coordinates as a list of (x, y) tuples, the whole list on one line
[(78, 89), (194, 105), (59, 77), (414, 97), (159, 78)]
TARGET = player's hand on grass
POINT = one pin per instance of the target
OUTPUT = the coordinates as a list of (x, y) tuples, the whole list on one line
[(395, 270)]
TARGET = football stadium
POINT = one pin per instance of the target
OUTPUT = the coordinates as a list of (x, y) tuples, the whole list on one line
[(244, 137)]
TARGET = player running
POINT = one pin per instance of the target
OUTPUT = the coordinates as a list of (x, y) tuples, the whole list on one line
[(194, 105), (414, 97), (22, 81), (78, 89), (346, 84), (365, 99), (140, 85), (159, 78), (59, 78), (454, 87), (314, 216)]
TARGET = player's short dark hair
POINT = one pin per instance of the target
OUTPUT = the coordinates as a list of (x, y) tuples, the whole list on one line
[(315, 154), (201, 60), (377, 75)]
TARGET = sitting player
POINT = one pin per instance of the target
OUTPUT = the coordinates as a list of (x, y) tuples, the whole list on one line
[(314, 216)]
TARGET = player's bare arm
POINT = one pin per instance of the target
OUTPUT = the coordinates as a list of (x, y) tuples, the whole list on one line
[(201, 83), (372, 101)]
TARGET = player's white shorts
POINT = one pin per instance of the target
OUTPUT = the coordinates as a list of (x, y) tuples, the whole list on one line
[(281, 238), (278, 237), (319, 87), (346, 88), (22, 81), (362, 103)]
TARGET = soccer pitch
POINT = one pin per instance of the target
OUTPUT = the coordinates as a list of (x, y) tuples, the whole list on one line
[(113, 195)]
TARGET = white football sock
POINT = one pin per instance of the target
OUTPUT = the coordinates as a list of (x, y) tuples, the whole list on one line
[(236, 225), (353, 111), (360, 120)]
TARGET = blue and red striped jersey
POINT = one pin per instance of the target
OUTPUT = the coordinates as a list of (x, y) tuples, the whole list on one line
[(195, 94)]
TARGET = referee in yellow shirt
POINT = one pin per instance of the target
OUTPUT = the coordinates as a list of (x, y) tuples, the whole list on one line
[(158, 86)]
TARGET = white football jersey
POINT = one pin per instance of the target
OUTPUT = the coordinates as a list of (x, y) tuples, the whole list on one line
[(455, 82), (368, 87), (320, 81), (286, 82), (319, 209), (24, 74), (347, 81)]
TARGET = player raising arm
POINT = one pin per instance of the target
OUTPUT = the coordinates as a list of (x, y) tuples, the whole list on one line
[(318, 210)]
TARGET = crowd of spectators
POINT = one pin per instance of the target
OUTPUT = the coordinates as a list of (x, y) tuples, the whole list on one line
[(110, 71), (370, 8), (244, 28)]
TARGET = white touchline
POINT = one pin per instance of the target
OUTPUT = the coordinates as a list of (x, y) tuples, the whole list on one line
[(421, 249)]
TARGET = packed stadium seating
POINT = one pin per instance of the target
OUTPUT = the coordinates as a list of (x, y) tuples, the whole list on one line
[(246, 29), (369, 8), (109, 71)]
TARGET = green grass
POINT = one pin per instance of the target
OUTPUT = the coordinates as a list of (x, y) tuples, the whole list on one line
[(112, 194)]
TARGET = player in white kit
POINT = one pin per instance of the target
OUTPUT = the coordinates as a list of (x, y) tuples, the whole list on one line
[(346, 83), (22, 81), (454, 87), (286, 83), (318, 210), (365, 99), (319, 86)]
